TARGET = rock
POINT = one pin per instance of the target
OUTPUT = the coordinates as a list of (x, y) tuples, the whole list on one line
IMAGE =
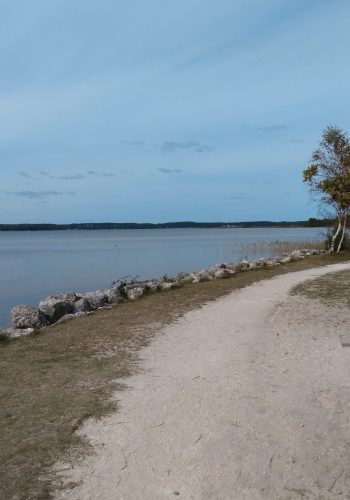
[(68, 317), (184, 278), (272, 263), (244, 265), (231, 267), (55, 307), (113, 295), (13, 333), (96, 299), (133, 292), (257, 263), (299, 254), (284, 260), (71, 296), (200, 276), (82, 305), (222, 273), (167, 285), (152, 286), (24, 317)]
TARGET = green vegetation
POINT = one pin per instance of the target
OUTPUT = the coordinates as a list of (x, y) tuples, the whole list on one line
[(166, 225), (52, 381), (328, 177), (4, 337)]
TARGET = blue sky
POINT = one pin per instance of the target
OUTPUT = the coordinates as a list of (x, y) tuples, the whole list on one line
[(126, 110)]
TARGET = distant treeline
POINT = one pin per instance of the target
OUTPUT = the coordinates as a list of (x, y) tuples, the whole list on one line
[(187, 224)]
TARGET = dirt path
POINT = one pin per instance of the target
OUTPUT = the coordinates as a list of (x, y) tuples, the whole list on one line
[(247, 398)]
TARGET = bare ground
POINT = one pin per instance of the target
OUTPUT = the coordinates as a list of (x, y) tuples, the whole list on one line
[(247, 398)]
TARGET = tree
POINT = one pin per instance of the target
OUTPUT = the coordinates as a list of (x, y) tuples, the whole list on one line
[(328, 177)]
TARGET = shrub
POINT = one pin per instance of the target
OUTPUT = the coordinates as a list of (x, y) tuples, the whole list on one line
[(329, 238), (4, 337)]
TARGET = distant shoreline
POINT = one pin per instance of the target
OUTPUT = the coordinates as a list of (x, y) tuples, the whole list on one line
[(165, 225)]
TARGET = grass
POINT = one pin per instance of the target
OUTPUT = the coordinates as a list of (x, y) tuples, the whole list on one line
[(52, 381), (332, 288)]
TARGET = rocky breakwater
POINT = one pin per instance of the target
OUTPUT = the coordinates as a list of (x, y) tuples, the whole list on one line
[(58, 308)]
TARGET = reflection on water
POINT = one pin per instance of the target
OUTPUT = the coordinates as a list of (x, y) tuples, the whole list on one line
[(36, 264)]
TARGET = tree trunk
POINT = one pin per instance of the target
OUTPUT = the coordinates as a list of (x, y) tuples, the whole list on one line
[(334, 237), (342, 236)]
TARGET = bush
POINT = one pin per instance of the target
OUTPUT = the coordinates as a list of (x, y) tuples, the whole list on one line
[(4, 337), (329, 236)]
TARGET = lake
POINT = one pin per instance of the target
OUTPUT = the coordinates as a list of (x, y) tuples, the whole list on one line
[(36, 264)]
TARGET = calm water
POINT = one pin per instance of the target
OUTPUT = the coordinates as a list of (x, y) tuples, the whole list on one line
[(36, 264)]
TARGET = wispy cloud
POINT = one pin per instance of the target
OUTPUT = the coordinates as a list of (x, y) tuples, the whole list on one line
[(71, 177), (170, 170), (171, 147), (25, 175), (100, 174), (277, 127), (75, 177), (39, 195)]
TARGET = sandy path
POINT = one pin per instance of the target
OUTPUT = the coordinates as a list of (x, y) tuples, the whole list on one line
[(246, 398)]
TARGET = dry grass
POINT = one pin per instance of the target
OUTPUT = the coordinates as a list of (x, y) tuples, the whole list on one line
[(52, 381), (272, 248), (333, 288)]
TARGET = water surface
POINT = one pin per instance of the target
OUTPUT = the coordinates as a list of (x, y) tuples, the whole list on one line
[(36, 264)]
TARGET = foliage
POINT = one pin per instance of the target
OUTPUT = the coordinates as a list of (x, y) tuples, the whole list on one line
[(4, 337), (328, 177), (338, 241)]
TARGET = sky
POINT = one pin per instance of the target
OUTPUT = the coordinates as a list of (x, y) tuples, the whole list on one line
[(134, 111)]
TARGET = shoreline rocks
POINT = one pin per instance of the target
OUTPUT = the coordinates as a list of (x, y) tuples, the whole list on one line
[(66, 306)]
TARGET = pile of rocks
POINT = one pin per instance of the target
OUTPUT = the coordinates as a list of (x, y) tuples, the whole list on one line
[(63, 307)]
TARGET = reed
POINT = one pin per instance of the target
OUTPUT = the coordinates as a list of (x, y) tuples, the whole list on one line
[(273, 248)]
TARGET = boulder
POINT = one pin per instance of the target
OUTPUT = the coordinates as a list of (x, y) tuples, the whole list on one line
[(133, 291), (260, 263), (222, 273), (152, 286), (96, 299), (244, 265), (299, 254), (231, 267), (200, 276), (53, 308), (183, 278), (82, 305), (24, 317), (68, 317), (272, 263), (71, 296), (13, 333), (113, 295), (284, 260), (167, 285)]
